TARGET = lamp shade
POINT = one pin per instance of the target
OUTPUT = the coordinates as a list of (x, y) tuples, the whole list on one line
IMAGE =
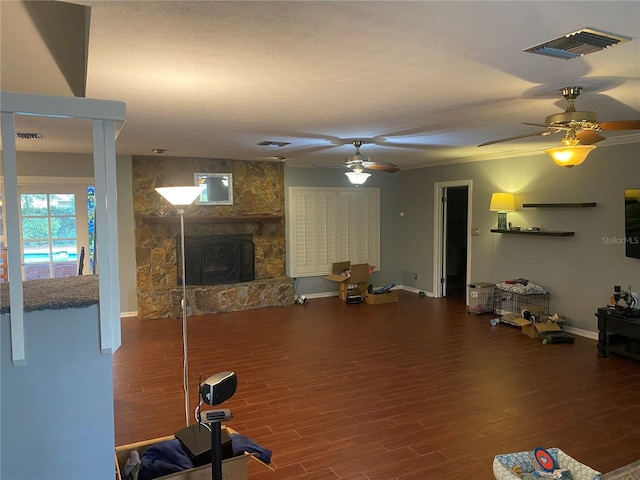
[(570, 156), (180, 196), (357, 178), (502, 202)]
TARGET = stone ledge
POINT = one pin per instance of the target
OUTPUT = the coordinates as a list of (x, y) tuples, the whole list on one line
[(164, 302)]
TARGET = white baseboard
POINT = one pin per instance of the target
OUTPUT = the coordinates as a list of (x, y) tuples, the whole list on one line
[(128, 314), (580, 332), (413, 290), (321, 294), (397, 287)]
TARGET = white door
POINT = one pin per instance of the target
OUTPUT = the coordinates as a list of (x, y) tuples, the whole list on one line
[(54, 229)]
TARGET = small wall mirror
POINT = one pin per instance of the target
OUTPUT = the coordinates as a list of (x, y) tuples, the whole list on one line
[(218, 188)]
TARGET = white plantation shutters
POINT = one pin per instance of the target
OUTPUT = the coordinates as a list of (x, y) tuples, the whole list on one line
[(328, 225)]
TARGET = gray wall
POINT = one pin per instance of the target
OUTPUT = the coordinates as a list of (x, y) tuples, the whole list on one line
[(579, 271), (57, 411)]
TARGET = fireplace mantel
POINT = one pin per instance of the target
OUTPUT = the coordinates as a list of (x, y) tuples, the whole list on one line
[(260, 219)]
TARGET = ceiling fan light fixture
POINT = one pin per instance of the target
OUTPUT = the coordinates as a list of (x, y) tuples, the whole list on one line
[(570, 156), (357, 178)]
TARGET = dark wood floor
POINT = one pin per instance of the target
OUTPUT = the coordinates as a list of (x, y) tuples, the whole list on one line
[(413, 390)]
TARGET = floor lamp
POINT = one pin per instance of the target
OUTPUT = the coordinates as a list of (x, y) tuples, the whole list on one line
[(182, 197)]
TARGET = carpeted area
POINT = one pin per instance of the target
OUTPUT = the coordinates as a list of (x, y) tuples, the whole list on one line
[(628, 472), (54, 293)]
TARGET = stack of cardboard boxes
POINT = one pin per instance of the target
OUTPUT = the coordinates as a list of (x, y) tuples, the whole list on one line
[(349, 277)]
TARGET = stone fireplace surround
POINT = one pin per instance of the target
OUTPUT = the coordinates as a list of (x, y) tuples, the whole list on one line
[(257, 210)]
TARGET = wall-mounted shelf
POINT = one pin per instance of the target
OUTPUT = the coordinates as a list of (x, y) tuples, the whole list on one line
[(540, 233), (559, 205), (259, 219)]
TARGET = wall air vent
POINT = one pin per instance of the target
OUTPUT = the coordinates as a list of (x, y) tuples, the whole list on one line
[(28, 136), (269, 143), (577, 44)]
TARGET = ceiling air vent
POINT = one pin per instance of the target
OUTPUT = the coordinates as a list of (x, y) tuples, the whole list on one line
[(577, 44), (28, 136), (269, 143)]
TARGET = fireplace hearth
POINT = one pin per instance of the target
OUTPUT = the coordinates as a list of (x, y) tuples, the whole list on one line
[(217, 259)]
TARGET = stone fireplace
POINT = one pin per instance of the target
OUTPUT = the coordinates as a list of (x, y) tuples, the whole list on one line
[(250, 233)]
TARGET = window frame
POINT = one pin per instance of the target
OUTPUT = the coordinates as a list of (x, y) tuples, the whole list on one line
[(331, 224)]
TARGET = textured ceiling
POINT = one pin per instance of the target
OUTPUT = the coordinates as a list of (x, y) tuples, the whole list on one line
[(421, 83)]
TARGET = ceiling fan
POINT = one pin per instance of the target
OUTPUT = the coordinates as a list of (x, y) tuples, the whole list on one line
[(358, 163), (579, 127)]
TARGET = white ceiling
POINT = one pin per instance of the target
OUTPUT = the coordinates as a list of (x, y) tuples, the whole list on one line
[(421, 82)]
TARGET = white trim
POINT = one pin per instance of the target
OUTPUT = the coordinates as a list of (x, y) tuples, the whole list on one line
[(129, 314), (397, 287), (438, 220), (581, 332), (414, 290), (58, 181), (105, 114), (106, 248), (16, 294), (82, 221), (64, 107)]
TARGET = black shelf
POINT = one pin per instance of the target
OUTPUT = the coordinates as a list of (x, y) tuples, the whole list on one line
[(559, 205), (540, 233)]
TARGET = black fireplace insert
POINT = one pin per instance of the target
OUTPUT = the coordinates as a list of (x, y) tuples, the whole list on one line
[(216, 259)]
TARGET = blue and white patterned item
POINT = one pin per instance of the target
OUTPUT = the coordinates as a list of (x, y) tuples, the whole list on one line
[(525, 461)]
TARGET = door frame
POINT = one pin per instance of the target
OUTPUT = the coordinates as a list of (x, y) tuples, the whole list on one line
[(439, 232), (52, 185)]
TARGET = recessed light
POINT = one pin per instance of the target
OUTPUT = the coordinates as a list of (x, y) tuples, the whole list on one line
[(158, 150)]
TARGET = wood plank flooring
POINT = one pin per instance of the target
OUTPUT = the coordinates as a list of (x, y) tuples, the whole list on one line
[(418, 389)]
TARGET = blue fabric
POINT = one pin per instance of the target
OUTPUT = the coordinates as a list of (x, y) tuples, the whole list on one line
[(241, 444), (164, 458)]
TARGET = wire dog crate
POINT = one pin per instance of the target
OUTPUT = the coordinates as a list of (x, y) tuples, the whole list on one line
[(481, 297), (505, 302)]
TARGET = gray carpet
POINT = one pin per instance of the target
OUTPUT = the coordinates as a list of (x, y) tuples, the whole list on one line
[(55, 293), (628, 472)]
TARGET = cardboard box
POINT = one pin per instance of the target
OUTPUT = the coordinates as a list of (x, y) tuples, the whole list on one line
[(358, 278), (534, 330), (235, 468), (343, 288), (373, 299)]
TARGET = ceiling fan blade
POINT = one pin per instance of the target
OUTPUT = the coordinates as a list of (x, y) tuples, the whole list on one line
[(532, 134), (332, 165), (589, 137), (381, 166), (620, 125)]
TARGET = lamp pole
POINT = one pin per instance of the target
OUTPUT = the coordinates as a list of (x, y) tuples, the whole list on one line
[(183, 304), (182, 197)]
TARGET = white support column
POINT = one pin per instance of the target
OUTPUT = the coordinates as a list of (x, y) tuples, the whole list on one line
[(108, 117), (106, 247), (13, 240)]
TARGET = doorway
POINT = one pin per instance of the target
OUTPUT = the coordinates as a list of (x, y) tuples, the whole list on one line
[(56, 227), (452, 252)]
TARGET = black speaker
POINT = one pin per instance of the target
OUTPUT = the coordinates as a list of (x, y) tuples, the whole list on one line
[(218, 388)]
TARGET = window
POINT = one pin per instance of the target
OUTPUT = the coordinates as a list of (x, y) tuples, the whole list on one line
[(56, 222), (328, 225)]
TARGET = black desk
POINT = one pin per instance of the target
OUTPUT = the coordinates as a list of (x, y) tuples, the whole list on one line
[(618, 334)]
